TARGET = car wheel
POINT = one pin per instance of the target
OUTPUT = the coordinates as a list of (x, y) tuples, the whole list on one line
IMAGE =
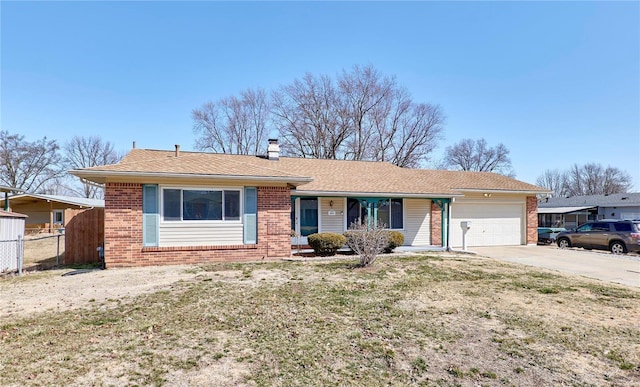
[(564, 243), (618, 248)]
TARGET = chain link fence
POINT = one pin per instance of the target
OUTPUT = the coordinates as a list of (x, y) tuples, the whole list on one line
[(44, 251), (12, 255), (33, 252)]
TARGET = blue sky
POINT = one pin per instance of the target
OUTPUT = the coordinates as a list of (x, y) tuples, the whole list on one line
[(557, 83)]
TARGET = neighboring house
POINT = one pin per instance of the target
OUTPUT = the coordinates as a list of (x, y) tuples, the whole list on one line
[(5, 191), (573, 211), (82, 220), (49, 212), (164, 207)]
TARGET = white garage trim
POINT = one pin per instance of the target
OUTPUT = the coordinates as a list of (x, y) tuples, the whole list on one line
[(493, 223)]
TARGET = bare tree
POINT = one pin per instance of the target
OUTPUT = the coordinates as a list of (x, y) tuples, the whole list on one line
[(86, 152), (361, 115), (367, 116), (553, 180), (311, 118), (404, 133), (233, 125), (616, 181), (594, 179), (65, 185), (475, 155), (573, 184), (363, 90), (28, 165)]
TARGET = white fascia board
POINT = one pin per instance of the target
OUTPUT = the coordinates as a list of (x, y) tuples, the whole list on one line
[(494, 190), (104, 174), (373, 194)]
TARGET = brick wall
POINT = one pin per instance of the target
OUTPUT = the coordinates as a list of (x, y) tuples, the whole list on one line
[(532, 220), (123, 232), (274, 221), (436, 225)]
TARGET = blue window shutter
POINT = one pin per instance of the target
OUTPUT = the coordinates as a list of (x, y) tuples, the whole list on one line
[(150, 215), (250, 215)]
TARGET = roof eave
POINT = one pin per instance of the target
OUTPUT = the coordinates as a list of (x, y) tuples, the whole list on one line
[(497, 190), (101, 176), (374, 194), (44, 197), (563, 210)]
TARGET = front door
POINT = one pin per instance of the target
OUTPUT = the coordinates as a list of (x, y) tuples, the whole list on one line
[(304, 218)]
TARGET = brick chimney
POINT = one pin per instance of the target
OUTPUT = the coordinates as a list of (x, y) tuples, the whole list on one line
[(273, 150)]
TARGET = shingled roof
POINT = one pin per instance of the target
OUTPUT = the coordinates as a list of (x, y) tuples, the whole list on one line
[(328, 177), (72, 200), (629, 199)]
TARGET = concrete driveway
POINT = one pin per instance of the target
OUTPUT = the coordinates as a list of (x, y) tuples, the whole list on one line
[(622, 269)]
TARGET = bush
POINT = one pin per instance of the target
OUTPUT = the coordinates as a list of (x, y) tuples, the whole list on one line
[(367, 242), (325, 244), (396, 238)]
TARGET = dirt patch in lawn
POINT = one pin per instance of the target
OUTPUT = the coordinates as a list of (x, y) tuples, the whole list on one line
[(60, 290), (419, 320)]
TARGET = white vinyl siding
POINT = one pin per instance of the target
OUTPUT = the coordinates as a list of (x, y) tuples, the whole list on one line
[(173, 233), (493, 222), (417, 230), (200, 234), (332, 223)]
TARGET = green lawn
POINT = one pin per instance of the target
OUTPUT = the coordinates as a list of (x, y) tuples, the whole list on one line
[(404, 321)]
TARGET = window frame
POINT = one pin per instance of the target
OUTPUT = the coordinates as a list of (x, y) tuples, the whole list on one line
[(56, 212), (238, 220), (361, 209)]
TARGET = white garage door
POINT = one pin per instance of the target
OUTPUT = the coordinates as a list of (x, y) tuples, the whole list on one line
[(491, 224)]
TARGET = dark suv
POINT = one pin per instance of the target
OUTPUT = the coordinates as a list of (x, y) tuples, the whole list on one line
[(619, 236)]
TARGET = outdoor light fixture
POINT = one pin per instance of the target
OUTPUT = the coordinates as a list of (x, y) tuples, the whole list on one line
[(487, 195), (331, 203)]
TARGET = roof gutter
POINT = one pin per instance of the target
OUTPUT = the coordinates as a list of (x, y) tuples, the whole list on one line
[(59, 200), (105, 174), (494, 190), (374, 194)]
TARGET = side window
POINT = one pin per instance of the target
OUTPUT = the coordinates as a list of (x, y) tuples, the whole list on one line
[(623, 227), (58, 217), (584, 228), (600, 227), (171, 207)]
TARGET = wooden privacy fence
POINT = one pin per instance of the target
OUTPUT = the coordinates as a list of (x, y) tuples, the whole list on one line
[(84, 233)]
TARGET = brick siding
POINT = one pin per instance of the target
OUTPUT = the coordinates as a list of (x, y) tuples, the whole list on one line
[(436, 225), (123, 232), (532, 220)]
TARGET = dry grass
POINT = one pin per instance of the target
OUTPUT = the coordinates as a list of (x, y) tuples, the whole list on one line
[(40, 250), (404, 321)]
